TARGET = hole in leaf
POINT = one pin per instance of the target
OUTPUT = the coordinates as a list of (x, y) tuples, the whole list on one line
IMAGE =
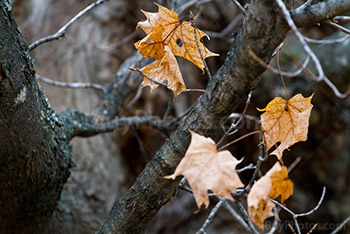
[(179, 42)]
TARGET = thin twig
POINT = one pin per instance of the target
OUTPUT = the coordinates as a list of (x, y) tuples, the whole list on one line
[(261, 158), (147, 77), (295, 216), (223, 33), (236, 216), (344, 19), (248, 167), (211, 216), (327, 41), (245, 217), (170, 104), (290, 212), (306, 4), (280, 73), (316, 207), (291, 228), (301, 38), (234, 125), (274, 226), (238, 139), (239, 6), (60, 33), (341, 226), (198, 47), (135, 99), (249, 117), (274, 70), (312, 229), (321, 76), (74, 85), (187, 5), (195, 90), (109, 48), (291, 167), (339, 27), (327, 81)]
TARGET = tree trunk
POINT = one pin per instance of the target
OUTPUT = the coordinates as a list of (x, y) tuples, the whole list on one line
[(34, 155)]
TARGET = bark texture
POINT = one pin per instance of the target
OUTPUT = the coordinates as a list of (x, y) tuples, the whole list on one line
[(34, 155)]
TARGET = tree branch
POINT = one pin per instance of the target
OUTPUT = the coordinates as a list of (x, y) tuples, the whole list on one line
[(322, 11), (88, 130), (74, 85), (60, 33)]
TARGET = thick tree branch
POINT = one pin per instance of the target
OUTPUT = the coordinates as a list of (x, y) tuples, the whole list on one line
[(87, 130), (322, 11)]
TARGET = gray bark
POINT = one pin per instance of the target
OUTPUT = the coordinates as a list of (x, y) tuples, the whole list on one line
[(34, 153)]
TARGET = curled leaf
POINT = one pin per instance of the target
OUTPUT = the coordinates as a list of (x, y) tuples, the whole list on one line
[(273, 184)]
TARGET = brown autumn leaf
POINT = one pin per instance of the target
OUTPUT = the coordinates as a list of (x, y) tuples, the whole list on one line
[(273, 184), (163, 69), (286, 122), (177, 34), (207, 169)]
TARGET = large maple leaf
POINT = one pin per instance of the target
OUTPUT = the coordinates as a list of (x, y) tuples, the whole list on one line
[(273, 184), (178, 35), (286, 122), (167, 35), (207, 169)]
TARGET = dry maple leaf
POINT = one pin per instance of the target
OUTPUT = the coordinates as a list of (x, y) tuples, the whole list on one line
[(273, 184), (286, 122), (207, 169), (162, 69), (178, 35)]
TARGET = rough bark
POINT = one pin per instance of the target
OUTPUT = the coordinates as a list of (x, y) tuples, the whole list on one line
[(34, 155)]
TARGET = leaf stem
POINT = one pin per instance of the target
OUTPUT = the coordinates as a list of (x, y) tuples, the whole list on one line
[(279, 69), (238, 139), (198, 47)]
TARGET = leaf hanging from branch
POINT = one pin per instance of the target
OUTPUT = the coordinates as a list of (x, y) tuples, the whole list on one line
[(207, 169), (286, 122), (273, 184), (165, 29)]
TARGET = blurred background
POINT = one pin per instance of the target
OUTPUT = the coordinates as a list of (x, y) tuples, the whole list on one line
[(106, 165)]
